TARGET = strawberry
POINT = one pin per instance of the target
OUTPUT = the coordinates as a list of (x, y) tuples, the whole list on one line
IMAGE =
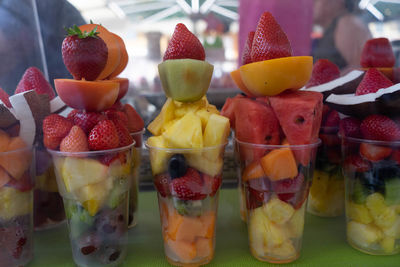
[(331, 123), (124, 136), (350, 127), (84, 53), (75, 141), (87, 120), (246, 57), (372, 81), (374, 153), (184, 44), (323, 71), (110, 158), (396, 155), (258, 192), (290, 190), (55, 128), (188, 186), (380, 127), (211, 184), (4, 97), (103, 136), (71, 115), (116, 115), (117, 106), (355, 163), (33, 79), (270, 41), (161, 182), (23, 184), (135, 122), (329, 139), (377, 53)]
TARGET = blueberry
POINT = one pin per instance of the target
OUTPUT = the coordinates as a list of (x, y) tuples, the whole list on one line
[(371, 181), (177, 166), (386, 169)]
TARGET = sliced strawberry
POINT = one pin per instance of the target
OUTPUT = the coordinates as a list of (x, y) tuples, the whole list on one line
[(75, 141), (350, 127), (23, 184), (33, 79), (87, 120), (270, 41), (4, 97), (372, 81), (124, 136), (184, 44), (117, 105), (211, 184), (216, 185), (189, 186), (246, 56), (290, 190), (374, 153), (103, 136), (116, 115), (161, 182), (331, 122), (71, 115), (377, 53), (109, 158), (355, 163), (55, 128), (323, 71), (380, 127), (135, 122)]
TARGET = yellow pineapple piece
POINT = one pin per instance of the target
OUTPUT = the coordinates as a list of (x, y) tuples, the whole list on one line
[(185, 133), (285, 250), (212, 109), (199, 162), (278, 211), (216, 133), (295, 225), (358, 213), (387, 243), (159, 157), (168, 124), (93, 196), (182, 108), (394, 230), (166, 115), (274, 234), (204, 115), (14, 203), (257, 230), (363, 235), (375, 203), (384, 217)]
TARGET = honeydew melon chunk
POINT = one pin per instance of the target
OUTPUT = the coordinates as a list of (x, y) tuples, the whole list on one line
[(166, 115), (158, 157), (216, 133)]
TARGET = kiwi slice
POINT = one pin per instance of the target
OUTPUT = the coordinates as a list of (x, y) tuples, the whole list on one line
[(392, 191), (192, 208), (360, 193)]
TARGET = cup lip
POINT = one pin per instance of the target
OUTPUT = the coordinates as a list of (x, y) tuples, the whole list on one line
[(369, 141), (295, 147), (138, 132), (25, 148), (182, 150), (90, 153)]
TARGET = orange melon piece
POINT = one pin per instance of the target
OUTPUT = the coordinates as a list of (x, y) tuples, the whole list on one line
[(16, 163), (388, 72), (4, 177), (235, 75), (208, 221), (253, 171), (114, 52), (164, 214), (185, 251), (4, 140), (273, 76), (189, 229), (123, 86), (174, 223), (204, 247), (124, 57), (279, 164)]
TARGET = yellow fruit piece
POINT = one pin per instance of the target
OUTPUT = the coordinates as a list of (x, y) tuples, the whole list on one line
[(257, 230), (319, 184), (47, 181), (215, 134), (14, 203), (295, 225), (278, 211), (116, 169), (274, 234), (185, 133), (363, 235), (384, 217), (284, 251), (358, 213), (199, 162), (158, 157), (394, 230), (93, 196), (375, 203), (387, 243), (182, 108), (166, 115)]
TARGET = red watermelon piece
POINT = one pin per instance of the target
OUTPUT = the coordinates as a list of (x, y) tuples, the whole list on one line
[(299, 114), (228, 110)]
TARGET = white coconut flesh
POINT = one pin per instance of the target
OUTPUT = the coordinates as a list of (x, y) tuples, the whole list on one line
[(57, 105), (351, 76)]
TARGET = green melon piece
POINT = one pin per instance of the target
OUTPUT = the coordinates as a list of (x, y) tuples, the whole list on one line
[(392, 191), (185, 80)]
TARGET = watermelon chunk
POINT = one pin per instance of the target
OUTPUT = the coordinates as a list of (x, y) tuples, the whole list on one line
[(299, 114), (228, 110)]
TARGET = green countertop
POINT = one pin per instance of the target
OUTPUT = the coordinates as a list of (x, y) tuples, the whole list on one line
[(324, 241)]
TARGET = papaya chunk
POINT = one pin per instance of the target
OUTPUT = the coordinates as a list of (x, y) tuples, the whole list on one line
[(279, 164)]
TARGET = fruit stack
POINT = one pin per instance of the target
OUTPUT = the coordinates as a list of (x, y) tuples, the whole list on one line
[(276, 130), (92, 147), (186, 152)]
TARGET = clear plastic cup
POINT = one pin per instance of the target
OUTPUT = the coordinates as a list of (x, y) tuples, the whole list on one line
[(276, 180), (241, 191), (134, 191), (188, 182), (95, 190), (48, 204), (326, 197), (372, 188), (16, 207)]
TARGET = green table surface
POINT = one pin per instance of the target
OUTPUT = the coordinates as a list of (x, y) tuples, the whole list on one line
[(324, 242)]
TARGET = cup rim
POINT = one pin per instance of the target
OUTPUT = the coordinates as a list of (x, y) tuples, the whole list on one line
[(25, 148), (182, 150), (138, 132), (296, 147), (369, 141), (90, 153)]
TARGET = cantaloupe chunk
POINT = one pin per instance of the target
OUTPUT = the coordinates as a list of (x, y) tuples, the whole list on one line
[(4, 140), (4, 177), (279, 164), (185, 251), (253, 171), (174, 223), (208, 221), (204, 247), (16, 163), (189, 229)]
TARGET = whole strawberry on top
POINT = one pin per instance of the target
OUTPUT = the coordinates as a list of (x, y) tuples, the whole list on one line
[(377, 53)]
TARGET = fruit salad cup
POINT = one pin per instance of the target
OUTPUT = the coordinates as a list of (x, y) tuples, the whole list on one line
[(326, 197), (242, 194), (372, 189), (48, 204), (276, 187), (188, 182), (95, 189), (16, 207), (133, 192)]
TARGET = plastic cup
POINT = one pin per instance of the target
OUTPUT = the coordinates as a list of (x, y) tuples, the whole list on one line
[(134, 190), (276, 180), (188, 182), (372, 189), (48, 204), (241, 191), (95, 190), (326, 197), (16, 207)]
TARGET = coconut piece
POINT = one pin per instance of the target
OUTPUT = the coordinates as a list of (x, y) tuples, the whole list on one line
[(7, 117), (57, 105), (346, 84), (385, 101)]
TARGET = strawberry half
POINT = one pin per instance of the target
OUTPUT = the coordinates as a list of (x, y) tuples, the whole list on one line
[(116, 115), (350, 127), (184, 44), (33, 79), (189, 186), (161, 182), (355, 163), (270, 41), (373, 81), (135, 122), (103, 136), (55, 128), (323, 71), (376, 53), (71, 115), (124, 136), (75, 141), (84, 53), (332, 122), (374, 153), (380, 127), (87, 120), (246, 55), (5, 98)]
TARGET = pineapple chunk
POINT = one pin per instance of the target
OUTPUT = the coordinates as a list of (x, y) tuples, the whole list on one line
[(204, 115), (205, 165), (213, 109), (185, 133), (93, 196), (274, 234), (358, 213), (363, 235), (158, 157), (14, 203), (216, 133), (387, 243), (278, 211), (284, 251), (296, 224), (375, 203), (166, 115), (319, 185), (394, 230), (257, 230), (384, 217), (182, 108)]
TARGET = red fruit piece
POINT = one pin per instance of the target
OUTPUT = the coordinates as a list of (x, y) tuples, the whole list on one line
[(33, 79), (379, 127), (84, 54), (12, 240), (270, 41), (184, 44), (228, 110), (246, 56), (75, 141), (23, 184), (87, 120), (4, 97), (350, 127), (396, 156), (373, 81), (376, 53), (211, 184), (332, 122), (258, 192), (124, 136), (323, 71), (290, 190), (374, 153), (103, 136), (355, 163), (109, 158), (161, 182), (329, 139), (135, 122), (189, 186), (55, 128), (116, 115), (71, 115)]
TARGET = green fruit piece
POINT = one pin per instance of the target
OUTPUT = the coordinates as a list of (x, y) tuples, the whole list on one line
[(359, 193), (185, 80), (193, 208), (392, 191), (118, 193)]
